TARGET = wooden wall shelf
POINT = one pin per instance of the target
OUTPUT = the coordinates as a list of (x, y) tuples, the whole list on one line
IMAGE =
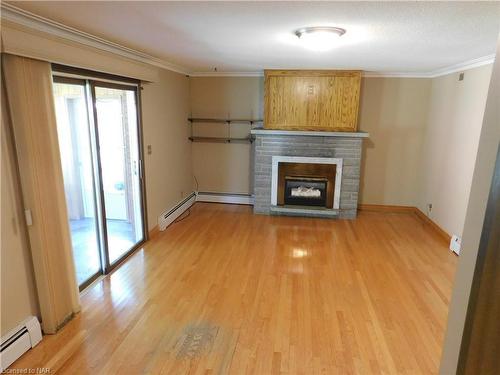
[(223, 121), (228, 122), (221, 139)]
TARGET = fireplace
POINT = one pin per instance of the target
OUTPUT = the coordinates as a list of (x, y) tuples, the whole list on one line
[(306, 183), (273, 148), (305, 191)]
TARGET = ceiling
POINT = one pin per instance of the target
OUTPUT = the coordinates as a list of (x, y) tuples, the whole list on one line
[(250, 36)]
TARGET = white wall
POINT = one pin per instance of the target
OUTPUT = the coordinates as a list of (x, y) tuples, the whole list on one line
[(489, 142), (450, 146)]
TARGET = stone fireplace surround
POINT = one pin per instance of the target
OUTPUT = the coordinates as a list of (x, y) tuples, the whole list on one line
[(341, 148)]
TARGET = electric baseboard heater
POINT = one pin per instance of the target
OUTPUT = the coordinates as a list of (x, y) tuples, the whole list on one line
[(19, 340)]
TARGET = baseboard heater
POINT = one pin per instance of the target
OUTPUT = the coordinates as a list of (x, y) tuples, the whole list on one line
[(168, 217), (19, 340), (205, 196)]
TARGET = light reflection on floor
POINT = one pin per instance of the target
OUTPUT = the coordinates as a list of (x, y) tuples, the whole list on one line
[(85, 244), (299, 253), (122, 288)]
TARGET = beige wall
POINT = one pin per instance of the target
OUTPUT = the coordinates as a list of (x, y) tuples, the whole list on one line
[(394, 112), (234, 97), (450, 146), (169, 175), (489, 141), (218, 167), (18, 293)]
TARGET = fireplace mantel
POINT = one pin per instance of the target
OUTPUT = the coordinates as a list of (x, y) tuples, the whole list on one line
[(261, 132)]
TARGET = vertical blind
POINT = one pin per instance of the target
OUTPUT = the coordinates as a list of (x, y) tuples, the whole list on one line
[(28, 85)]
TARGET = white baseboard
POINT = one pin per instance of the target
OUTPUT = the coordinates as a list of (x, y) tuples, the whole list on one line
[(169, 216), (224, 198), (19, 340)]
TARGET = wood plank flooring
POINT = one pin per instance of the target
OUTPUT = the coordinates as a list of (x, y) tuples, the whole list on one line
[(228, 292)]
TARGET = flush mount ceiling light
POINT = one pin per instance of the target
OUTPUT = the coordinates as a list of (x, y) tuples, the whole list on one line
[(320, 38)]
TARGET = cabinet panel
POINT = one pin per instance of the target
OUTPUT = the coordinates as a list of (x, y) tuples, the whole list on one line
[(312, 100)]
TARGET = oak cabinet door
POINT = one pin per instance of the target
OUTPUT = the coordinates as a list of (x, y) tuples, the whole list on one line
[(346, 103), (312, 100)]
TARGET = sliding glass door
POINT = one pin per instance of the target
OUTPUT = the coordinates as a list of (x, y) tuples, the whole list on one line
[(116, 115), (99, 141), (74, 132)]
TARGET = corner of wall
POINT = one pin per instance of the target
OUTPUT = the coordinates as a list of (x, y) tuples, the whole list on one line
[(451, 137), (482, 177)]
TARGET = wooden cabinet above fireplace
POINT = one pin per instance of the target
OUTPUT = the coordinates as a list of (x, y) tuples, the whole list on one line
[(323, 100)]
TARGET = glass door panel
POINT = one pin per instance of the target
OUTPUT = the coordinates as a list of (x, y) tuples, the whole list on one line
[(77, 166), (118, 137)]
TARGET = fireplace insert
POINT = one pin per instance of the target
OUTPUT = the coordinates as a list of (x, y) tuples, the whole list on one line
[(305, 191), (305, 184)]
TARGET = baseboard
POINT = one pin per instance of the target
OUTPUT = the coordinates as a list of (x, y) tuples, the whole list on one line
[(408, 209), (169, 216), (153, 232), (203, 196), (385, 208), (18, 341), (427, 220)]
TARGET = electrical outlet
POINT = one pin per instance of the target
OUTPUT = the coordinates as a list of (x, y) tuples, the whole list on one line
[(455, 244), (429, 207), (150, 150)]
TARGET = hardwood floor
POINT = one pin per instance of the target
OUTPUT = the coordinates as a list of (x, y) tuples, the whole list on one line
[(226, 291)]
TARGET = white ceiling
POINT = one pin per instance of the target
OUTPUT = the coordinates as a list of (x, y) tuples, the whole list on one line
[(250, 36)]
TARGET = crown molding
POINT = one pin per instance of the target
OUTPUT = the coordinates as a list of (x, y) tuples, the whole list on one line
[(466, 65), (373, 74), (367, 74), (470, 64), (41, 24), (19, 16), (228, 74)]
